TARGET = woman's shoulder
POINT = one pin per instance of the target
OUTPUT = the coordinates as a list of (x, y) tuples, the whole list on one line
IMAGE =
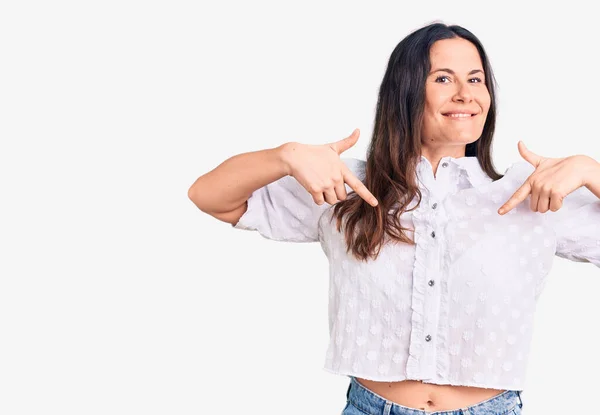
[(518, 169)]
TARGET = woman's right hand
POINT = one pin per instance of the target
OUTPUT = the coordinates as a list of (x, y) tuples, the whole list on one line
[(320, 170)]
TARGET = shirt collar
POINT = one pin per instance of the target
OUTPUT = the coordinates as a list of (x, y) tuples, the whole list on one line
[(469, 166)]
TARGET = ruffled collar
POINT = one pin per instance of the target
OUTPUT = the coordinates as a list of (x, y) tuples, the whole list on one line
[(469, 166)]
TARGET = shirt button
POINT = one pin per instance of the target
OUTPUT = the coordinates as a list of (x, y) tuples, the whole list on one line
[(434, 206), (427, 338), (433, 234), (431, 282), (444, 164)]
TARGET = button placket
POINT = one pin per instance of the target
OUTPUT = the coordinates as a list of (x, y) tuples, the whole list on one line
[(432, 296), (428, 337), (422, 358)]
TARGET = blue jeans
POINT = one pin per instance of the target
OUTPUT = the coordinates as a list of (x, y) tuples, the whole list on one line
[(362, 401)]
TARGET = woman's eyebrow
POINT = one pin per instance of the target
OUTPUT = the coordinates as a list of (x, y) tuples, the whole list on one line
[(450, 71)]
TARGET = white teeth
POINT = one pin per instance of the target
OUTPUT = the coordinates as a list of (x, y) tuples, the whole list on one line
[(459, 115)]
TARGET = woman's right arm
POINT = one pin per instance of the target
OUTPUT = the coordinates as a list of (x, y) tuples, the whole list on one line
[(281, 192), (223, 192)]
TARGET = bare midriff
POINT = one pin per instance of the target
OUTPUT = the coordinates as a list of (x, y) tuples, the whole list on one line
[(429, 397)]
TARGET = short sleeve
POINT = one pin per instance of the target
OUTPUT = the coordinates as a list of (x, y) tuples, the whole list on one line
[(577, 226), (285, 211)]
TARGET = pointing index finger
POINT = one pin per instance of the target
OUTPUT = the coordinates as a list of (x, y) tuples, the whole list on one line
[(359, 187), (517, 197)]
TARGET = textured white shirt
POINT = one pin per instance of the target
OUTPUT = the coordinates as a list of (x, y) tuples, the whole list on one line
[(458, 307)]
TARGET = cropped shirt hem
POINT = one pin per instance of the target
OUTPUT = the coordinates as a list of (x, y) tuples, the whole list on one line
[(398, 378)]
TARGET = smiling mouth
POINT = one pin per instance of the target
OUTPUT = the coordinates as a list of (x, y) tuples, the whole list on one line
[(459, 116)]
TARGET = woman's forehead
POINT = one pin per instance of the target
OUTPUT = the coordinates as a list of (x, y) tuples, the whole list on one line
[(457, 54)]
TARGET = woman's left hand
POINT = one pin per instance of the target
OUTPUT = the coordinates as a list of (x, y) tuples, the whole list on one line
[(552, 180)]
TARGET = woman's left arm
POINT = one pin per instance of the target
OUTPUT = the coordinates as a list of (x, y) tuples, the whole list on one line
[(553, 179), (577, 225)]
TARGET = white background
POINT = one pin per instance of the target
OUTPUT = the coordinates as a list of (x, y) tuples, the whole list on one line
[(118, 296)]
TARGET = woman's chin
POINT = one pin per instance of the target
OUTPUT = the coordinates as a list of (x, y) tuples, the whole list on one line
[(465, 137)]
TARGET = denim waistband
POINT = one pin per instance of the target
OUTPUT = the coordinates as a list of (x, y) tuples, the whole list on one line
[(371, 403)]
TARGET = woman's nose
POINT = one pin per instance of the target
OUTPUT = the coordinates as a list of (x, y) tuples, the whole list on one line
[(463, 93)]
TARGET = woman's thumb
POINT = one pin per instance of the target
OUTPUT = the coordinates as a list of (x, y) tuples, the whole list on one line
[(345, 143)]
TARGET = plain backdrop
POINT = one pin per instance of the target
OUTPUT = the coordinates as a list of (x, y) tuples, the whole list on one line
[(118, 296)]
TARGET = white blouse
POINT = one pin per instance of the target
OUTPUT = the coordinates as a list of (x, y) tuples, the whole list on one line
[(458, 307)]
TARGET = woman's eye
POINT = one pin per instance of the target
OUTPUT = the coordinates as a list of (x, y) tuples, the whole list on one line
[(445, 79)]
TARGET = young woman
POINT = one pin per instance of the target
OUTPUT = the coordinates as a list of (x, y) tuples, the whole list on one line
[(436, 265)]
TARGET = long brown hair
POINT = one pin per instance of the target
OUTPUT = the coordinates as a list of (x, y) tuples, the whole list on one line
[(395, 147)]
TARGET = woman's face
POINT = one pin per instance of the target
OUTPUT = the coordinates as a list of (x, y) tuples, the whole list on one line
[(456, 97)]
